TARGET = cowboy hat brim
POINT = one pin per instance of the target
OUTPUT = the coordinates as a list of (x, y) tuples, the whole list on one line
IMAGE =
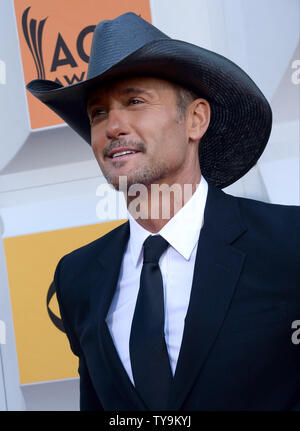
[(241, 117)]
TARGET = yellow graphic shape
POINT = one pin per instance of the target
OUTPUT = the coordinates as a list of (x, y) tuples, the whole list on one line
[(43, 350)]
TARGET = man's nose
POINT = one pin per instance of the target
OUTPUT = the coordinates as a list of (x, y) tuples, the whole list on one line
[(117, 124)]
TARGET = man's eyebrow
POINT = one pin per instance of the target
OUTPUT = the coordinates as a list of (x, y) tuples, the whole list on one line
[(92, 102), (127, 91), (135, 90)]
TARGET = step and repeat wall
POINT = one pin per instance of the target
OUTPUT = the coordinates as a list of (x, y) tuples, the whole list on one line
[(49, 178)]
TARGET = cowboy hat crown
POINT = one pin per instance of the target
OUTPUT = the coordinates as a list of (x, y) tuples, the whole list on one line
[(112, 41)]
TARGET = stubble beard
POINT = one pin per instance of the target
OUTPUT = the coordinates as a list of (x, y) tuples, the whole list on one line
[(145, 175)]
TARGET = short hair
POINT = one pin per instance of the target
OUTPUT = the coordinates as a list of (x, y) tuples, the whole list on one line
[(183, 98)]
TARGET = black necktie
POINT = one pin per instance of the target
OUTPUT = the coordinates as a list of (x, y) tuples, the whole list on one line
[(148, 351)]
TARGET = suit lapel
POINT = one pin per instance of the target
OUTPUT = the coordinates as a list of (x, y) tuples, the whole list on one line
[(110, 262), (217, 269)]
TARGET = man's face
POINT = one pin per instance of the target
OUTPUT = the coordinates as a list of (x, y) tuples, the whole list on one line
[(137, 132)]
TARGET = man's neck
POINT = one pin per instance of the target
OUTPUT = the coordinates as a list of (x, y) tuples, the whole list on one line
[(154, 209)]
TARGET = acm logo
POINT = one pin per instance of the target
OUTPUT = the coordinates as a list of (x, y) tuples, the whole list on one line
[(33, 31)]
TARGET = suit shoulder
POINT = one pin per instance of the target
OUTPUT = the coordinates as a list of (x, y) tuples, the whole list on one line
[(273, 218), (268, 208), (92, 249), (74, 266)]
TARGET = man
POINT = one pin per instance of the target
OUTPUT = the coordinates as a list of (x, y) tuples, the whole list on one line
[(193, 310)]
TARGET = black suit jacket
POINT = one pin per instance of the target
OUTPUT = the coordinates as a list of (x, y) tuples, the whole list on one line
[(237, 351)]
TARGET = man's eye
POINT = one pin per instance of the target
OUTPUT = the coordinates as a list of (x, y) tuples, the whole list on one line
[(96, 113), (99, 112), (135, 101)]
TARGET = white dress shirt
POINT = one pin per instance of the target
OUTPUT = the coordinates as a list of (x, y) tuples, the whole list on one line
[(177, 268)]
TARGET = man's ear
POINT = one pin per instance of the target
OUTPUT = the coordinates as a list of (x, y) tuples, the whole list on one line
[(199, 118)]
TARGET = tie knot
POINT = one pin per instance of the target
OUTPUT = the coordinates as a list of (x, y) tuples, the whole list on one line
[(154, 246)]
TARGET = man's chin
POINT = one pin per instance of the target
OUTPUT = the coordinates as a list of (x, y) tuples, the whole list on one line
[(147, 176), (122, 183)]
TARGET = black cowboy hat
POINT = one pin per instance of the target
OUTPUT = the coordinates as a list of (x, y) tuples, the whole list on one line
[(127, 46)]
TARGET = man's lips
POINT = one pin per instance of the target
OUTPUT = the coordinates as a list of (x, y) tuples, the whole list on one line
[(122, 152)]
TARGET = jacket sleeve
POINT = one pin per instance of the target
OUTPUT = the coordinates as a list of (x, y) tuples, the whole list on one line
[(88, 397)]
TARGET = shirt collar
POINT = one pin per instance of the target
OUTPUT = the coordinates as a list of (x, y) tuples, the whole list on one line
[(188, 221)]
